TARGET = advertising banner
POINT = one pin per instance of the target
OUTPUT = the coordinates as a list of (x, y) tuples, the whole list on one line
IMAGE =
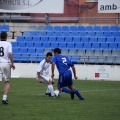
[(108, 6), (32, 6)]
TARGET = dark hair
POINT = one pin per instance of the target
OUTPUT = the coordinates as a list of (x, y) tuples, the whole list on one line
[(57, 50), (48, 54), (3, 35)]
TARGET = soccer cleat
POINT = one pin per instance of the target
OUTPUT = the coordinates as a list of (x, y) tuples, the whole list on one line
[(72, 95), (4, 101), (49, 94), (81, 98)]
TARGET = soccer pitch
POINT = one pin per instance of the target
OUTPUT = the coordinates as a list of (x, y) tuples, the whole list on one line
[(28, 102)]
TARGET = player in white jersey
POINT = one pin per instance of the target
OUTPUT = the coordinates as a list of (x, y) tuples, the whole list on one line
[(6, 63), (43, 74)]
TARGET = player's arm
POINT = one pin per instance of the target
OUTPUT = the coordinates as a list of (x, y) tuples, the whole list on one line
[(74, 72), (39, 77), (11, 59), (52, 70)]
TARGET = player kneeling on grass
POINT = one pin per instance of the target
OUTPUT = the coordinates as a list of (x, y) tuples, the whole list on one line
[(43, 74), (64, 64)]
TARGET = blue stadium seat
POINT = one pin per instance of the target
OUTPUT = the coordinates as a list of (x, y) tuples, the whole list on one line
[(17, 57), (81, 28), (31, 50), (62, 45), (49, 28), (76, 39), (34, 33), (70, 45), (118, 48), (88, 28), (95, 46), (40, 51), (21, 44), (100, 59), (118, 28), (33, 57), (72, 52), (89, 52), (79, 46), (47, 50), (29, 44), (107, 34), (20, 38), (64, 51), (5, 28), (105, 28), (113, 28), (80, 52), (104, 46), (58, 33), (23, 51), (112, 46), (60, 39), (101, 40), (98, 52), (25, 58), (66, 33), (87, 46), (57, 28), (82, 34), (84, 40), (53, 45), (64, 28), (90, 34), (117, 40), (26, 33), (115, 34), (44, 39), (68, 39), (75, 59), (93, 40), (99, 34), (50, 33), (45, 45), (97, 29), (74, 33), (37, 45), (42, 33), (106, 53), (115, 52), (52, 39), (110, 40), (36, 39), (72, 28), (28, 38), (15, 50), (14, 44)]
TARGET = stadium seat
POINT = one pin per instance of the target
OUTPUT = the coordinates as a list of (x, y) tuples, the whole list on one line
[(64, 51), (112, 46), (104, 46), (105, 28), (100, 59), (57, 28), (97, 29), (14, 44), (115, 34), (117, 60), (80, 52), (21, 44), (113, 28), (31, 50), (42, 33), (68, 39), (84, 40), (29, 44), (81, 28), (53, 45), (92, 59), (109, 60), (70, 46), (98, 34), (20, 38), (23, 50), (52, 39), (72, 28), (88, 28), (26, 33), (79, 46), (76, 39), (82, 34), (50, 33), (44, 39), (117, 40), (49, 28), (97, 52), (62, 45), (37, 45), (15, 50), (33, 57), (17, 57), (90, 34), (75, 59), (95, 46), (110, 40), (28, 38), (64, 28), (118, 47), (87, 46), (47, 50), (107, 34), (45, 45), (58, 33), (101, 40), (34, 33), (74, 33), (40, 51), (66, 33), (115, 52), (93, 40), (89, 52), (36, 39), (60, 39), (72, 52), (25, 58), (106, 53), (5, 28)]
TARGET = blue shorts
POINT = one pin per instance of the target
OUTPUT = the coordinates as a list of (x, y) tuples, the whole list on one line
[(65, 79)]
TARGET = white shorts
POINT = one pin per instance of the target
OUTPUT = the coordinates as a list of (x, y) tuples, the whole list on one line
[(45, 78), (5, 71)]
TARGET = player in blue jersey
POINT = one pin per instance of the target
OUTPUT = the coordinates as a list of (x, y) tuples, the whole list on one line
[(64, 64)]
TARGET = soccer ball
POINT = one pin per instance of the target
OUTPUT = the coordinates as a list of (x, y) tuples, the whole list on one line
[(57, 93)]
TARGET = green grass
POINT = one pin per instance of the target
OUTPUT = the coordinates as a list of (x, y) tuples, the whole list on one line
[(28, 102)]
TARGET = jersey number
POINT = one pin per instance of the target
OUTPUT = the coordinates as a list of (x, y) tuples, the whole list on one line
[(64, 61), (1, 51)]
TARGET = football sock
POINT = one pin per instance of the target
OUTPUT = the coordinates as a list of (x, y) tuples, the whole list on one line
[(47, 91), (66, 90), (51, 90), (4, 97), (78, 94)]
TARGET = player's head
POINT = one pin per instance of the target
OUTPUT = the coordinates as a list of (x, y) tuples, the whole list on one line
[(48, 56), (57, 51), (3, 36)]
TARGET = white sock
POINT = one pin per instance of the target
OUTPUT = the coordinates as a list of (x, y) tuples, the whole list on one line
[(50, 87), (4, 97), (47, 91)]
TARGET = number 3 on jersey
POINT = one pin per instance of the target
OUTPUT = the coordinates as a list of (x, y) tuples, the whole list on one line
[(64, 61), (1, 51)]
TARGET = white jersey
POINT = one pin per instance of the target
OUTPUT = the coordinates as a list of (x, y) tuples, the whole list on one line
[(43, 67), (5, 48)]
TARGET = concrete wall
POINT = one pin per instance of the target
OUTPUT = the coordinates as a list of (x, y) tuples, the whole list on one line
[(84, 72)]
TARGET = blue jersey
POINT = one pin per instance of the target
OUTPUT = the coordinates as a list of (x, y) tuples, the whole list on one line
[(62, 62)]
